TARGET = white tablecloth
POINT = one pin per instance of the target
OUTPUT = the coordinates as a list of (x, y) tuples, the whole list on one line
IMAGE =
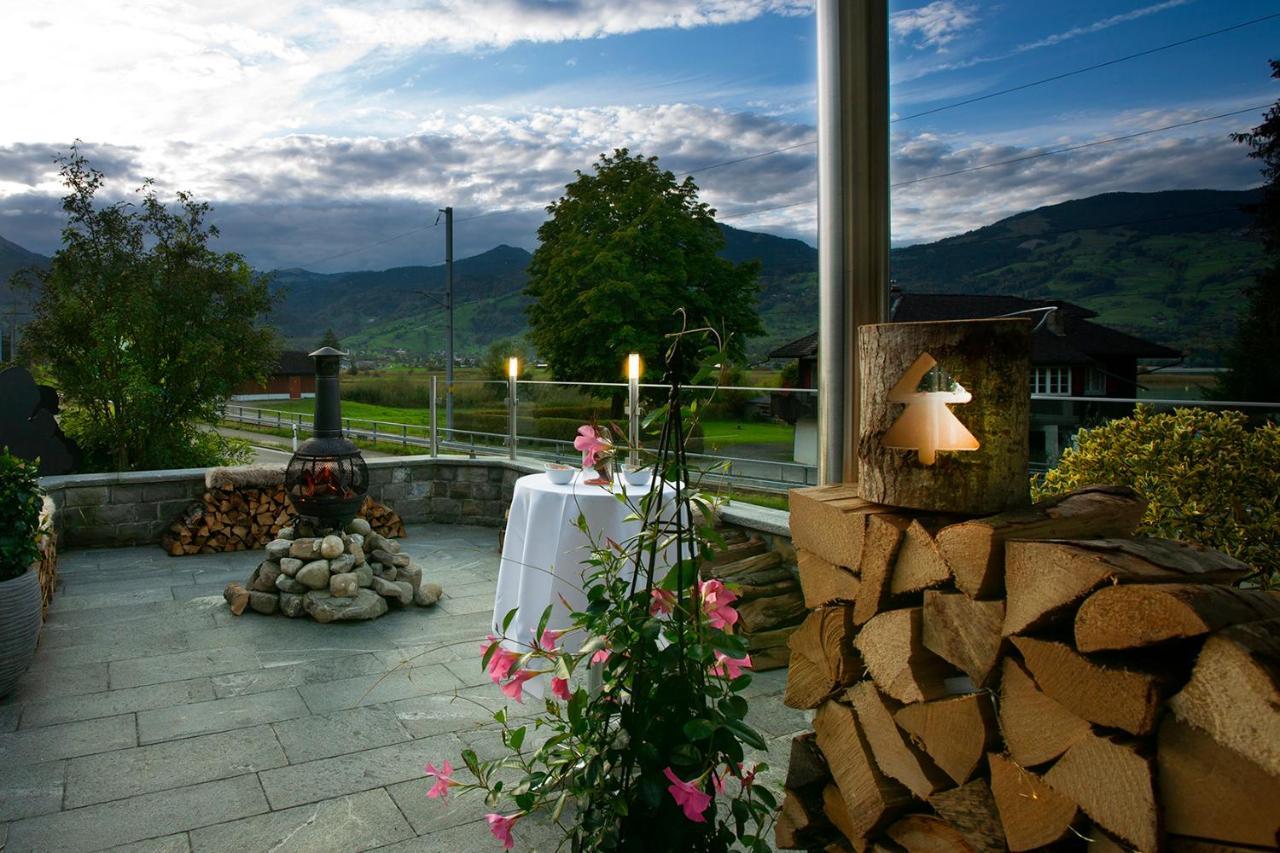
[(543, 553)]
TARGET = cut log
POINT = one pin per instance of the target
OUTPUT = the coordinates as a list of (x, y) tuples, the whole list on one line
[(762, 568), (769, 649), (922, 833), (1136, 615), (894, 753), (1046, 580), (1036, 728), (879, 552), (830, 521), (1121, 698), (752, 591), (826, 639), (902, 667), (732, 552), (1210, 791), (1114, 786), (1183, 844), (836, 811), (763, 614), (992, 360), (920, 564), (1234, 692), (963, 631), (972, 810), (1032, 814), (954, 732), (806, 766), (868, 798), (800, 820), (807, 684), (975, 549), (824, 583)]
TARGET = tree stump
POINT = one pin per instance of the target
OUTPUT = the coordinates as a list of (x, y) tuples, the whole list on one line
[(913, 450)]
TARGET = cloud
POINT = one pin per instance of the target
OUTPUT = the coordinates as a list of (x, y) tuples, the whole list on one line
[(934, 25), (1100, 25)]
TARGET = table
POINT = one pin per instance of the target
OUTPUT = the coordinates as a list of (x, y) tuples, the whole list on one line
[(544, 548)]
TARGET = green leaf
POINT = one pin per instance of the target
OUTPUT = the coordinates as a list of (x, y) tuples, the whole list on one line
[(542, 622), (506, 620), (699, 729), (517, 737), (473, 763), (745, 733)]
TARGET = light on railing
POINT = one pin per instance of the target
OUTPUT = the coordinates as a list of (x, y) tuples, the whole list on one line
[(633, 367), (513, 367), (633, 408)]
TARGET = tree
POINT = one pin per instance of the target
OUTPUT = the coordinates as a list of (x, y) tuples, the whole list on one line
[(623, 249), (145, 329), (1251, 356), (330, 339), (494, 363)]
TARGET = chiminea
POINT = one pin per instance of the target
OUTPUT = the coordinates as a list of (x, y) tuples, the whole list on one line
[(327, 477)]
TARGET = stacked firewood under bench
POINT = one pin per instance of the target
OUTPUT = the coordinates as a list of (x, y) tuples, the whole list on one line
[(770, 605), (1037, 678)]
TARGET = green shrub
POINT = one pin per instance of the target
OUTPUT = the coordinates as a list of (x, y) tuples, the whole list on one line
[(1208, 477), (20, 503), (181, 446)]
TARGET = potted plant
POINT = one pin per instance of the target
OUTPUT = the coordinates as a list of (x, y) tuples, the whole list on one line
[(20, 503)]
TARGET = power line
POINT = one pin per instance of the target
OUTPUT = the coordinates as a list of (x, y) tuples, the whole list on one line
[(711, 166), (1065, 74), (1079, 147)]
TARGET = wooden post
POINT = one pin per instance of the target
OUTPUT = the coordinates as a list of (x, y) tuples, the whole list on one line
[(991, 360)]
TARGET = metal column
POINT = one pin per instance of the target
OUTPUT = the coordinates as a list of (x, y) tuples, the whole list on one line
[(853, 213)]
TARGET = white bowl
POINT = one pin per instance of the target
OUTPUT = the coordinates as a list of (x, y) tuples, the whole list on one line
[(561, 475), (637, 476)]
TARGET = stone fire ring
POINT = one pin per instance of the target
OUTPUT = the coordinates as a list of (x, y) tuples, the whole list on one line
[(335, 577)]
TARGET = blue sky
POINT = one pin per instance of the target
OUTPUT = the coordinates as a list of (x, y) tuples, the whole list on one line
[(321, 131)]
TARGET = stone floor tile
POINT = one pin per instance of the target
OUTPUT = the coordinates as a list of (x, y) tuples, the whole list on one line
[(29, 746), (357, 822), (172, 764), (31, 789), (376, 689), (414, 656), (432, 816), (311, 738), (204, 589), (178, 843), (64, 603), (46, 682), (115, 641), (471, 604), (183, 614), (457, 711), (137, 818), (273, 676), (77, 586), (112, 702), (358, 771), (180, 666), (9, 715), (219, 715)]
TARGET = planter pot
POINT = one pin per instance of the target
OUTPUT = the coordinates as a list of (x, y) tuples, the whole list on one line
[(19, 626)]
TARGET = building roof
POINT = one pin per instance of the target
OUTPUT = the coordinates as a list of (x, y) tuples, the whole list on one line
[(1082, 342), (293, 362)]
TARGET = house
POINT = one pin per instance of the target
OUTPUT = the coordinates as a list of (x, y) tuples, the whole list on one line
[(292, 378), (1072, 358)]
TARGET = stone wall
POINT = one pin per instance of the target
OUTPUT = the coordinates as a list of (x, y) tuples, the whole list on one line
[(134, 508)]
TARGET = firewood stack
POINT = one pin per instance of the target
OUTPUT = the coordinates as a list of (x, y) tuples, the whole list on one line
[(1036, 678), (245, 508), (770, 605)]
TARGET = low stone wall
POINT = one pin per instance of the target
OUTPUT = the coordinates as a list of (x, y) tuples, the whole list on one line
[(135, 508)]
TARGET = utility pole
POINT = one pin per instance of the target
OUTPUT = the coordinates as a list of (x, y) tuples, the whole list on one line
[(448, 304)]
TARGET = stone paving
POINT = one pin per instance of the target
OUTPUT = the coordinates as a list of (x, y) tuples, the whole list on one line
[(154, 720)]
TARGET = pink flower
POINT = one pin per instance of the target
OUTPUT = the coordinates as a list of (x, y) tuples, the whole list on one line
[(729, 667), (547, 642), (560, 689), (747, 776), (501, 828), (515, 687), (688, 796), (501, 663), (444, 780), (600, 656), (716, 598), (590, 444), (663, 601), (718, 781)]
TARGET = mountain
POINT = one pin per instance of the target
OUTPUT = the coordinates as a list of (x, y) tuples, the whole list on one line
[(12, 259), (1167, 266)]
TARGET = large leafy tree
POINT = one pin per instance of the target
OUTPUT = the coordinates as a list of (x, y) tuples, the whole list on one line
[(622, 250), (1252, 355), (143, 327)]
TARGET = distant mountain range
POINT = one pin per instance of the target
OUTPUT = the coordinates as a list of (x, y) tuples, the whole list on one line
[(1168, 266)]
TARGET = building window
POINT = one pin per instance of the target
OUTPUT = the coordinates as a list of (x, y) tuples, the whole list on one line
[(1055, 381), (1095, 382)]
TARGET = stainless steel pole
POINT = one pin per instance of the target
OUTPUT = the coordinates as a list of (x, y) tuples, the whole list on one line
[(633, 407), (512, 373), (435, 436), (448, 297)]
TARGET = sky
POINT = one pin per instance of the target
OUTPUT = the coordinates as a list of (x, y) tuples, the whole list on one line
[(327, 135)]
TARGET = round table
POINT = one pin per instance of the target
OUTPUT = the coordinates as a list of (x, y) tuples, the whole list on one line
[(544, 550)]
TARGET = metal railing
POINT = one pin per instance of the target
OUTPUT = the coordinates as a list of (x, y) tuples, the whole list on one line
[(757, 472)]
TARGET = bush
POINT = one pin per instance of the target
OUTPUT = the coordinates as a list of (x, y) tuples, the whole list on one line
[(1207, 476), (20, 503), (181, 446)]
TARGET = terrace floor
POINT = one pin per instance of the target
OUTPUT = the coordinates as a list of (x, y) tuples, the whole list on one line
[(152, 719)]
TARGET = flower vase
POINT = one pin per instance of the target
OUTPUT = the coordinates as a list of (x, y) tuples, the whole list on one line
[(599, 473)]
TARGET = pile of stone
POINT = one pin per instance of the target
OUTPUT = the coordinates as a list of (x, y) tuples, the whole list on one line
[(332, 576)]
